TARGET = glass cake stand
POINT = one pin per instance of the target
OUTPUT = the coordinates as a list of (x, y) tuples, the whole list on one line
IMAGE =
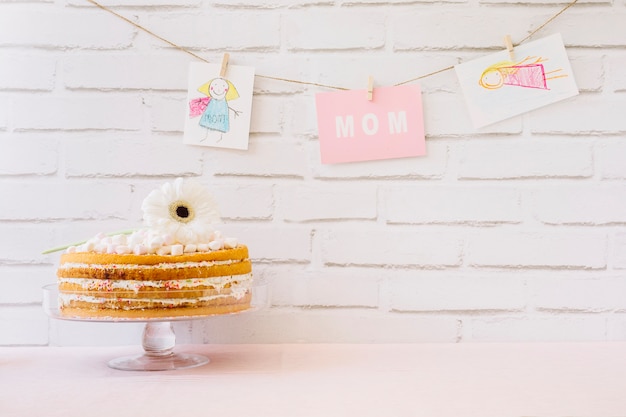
[(158, 340)]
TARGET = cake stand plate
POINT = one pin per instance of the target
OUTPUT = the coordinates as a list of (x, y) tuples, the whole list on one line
[(158, 339)]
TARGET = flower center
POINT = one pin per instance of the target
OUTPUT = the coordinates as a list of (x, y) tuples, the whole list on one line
[(181, 211)]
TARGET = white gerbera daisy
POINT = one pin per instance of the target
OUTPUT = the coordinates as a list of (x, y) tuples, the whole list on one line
[(183, 209)]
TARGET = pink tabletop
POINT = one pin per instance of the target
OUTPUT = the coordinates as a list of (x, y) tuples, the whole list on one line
[(431, 380)]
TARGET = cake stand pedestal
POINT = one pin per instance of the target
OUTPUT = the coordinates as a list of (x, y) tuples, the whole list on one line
[(158, 343), (158, 340)]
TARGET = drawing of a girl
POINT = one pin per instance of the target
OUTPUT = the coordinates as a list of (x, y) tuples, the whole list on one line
[(216, 114), (528, 73)]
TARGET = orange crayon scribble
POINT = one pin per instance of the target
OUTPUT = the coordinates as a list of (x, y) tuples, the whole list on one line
[(527, 73)]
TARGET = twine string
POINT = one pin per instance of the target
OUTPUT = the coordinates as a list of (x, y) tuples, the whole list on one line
[(289, 80), (425, 75), (138, 26), (547, 22)]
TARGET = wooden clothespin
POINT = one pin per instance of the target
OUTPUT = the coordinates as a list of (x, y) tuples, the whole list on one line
[(370, 88), (509, 47), (224, 65)]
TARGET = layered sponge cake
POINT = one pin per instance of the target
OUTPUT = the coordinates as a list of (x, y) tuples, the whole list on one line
[(177, 266)]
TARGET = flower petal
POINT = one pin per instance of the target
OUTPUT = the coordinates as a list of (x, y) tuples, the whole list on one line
[(157, 215)]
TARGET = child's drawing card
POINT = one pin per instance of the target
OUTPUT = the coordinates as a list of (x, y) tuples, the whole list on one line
[(219, 108), (352, 128), (497, 87)]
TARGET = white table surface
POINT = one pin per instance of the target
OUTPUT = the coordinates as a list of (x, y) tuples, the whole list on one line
[(430, 380)]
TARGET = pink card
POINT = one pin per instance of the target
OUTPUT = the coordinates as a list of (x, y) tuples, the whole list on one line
[(352, 128)]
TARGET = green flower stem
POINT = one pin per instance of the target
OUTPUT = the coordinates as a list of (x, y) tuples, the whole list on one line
[(60, 248)]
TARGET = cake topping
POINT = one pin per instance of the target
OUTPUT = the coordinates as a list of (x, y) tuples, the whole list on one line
[(184, 209), (144, 241), (179, 218)]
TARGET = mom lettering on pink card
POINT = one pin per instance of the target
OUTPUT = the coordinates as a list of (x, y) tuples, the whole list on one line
[(352, 128)]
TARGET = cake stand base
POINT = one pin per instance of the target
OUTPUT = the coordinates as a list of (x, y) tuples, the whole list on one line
[(158, 343), (169, 362)]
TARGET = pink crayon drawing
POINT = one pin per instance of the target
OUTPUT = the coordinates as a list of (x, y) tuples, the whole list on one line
[(528, 73), (217, 113), (214, 110), (197, 106), (497, 87)]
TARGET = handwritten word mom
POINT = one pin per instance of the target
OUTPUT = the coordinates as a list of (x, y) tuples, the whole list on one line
[(396, 123)]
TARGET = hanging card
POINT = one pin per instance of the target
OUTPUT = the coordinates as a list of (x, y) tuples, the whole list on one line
[(353, 128), (496, 87), (219, 108)]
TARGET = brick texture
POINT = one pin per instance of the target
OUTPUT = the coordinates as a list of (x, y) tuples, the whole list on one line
[(84, 29), (445, 204), (28, 155), (561, 250), (391, 247), (77, 113), (516, 159), (334, 30)]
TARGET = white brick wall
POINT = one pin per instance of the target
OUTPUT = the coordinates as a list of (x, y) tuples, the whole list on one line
[(515, 232), (47, 27)]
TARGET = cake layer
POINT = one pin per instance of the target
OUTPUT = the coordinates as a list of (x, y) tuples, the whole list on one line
[(225, 262), (150, 308), (238, 253)]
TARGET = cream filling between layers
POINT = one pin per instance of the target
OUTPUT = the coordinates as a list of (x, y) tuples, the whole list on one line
[(165, 265), (131, 303), (107, 285)]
